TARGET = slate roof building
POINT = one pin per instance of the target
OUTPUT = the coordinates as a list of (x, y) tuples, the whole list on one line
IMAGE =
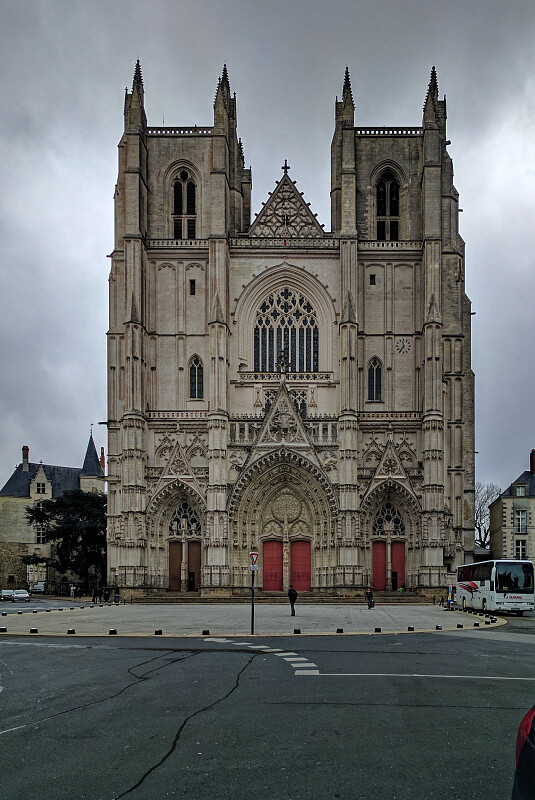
[(280, 388), (30, 484), (512, 518)]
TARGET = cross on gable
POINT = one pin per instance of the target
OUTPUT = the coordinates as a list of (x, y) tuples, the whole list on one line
[(285, 167)]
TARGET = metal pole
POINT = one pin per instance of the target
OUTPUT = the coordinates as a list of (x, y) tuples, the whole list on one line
[(252, 602)]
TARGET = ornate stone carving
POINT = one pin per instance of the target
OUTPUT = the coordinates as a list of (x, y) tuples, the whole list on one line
[(286, 214), (283, 426), (329, 459), (237, 458)]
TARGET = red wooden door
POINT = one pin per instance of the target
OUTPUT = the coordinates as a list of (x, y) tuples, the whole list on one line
[(194, 565), (398, 561), (175, 563), (300, 566), (272, 567), (379, 565)]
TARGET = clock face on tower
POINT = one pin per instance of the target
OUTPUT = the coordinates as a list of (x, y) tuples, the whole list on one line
[(403, 344)]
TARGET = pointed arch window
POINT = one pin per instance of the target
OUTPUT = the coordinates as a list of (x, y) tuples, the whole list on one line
[(387, 207), (374, 379), (196, 379), (286, 322), (184, 216)]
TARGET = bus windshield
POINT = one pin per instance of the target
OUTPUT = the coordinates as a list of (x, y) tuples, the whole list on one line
[(514, 577)]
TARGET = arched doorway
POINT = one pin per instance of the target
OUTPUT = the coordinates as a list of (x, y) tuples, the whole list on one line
[(287, 558), (184, 549), (283, 510), (388, 548)]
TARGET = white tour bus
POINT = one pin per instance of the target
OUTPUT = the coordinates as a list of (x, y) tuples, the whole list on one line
[(501, 585)]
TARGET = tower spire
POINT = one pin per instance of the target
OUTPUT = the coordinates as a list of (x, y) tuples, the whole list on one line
[(137, 83), (431, 98), (347, 93)]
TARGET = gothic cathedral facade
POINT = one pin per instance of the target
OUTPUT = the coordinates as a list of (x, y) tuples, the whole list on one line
[(277, 388)]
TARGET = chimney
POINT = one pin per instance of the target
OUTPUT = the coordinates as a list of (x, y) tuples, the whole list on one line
[(103, 459), (532, 462), (26, 456)]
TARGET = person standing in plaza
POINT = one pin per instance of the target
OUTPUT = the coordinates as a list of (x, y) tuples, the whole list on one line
[(369, 597), (292, 596)]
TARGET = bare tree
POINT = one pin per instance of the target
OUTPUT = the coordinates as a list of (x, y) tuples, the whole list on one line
[(485, 494)]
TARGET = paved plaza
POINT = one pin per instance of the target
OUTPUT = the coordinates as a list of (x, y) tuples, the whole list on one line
[(234, 620)]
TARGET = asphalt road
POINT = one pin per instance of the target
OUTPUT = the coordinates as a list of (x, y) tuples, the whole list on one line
[(398, 716)]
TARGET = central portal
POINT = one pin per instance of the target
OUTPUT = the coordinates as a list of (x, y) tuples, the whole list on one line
[(284, 510)]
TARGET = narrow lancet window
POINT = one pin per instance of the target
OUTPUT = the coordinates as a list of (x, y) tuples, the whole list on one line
[(374, 379), (387, 207), (184, 217), (196, 388)]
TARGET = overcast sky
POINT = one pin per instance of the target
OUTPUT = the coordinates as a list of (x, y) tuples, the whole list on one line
[(65, 66)]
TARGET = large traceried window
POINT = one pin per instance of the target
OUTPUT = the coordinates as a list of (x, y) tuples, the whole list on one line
[(387, 207), (388, 517), (196, 379), (185, 522), (374, 379), (286, 323), (184, 217)]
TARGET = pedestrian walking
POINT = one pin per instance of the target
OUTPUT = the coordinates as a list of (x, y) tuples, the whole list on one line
[(292, 597), (369, 598)]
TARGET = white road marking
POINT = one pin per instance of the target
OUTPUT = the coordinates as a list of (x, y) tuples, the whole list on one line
[(419, 675), (222, 641), (309, 664), (307, 672), (295, 658), (258, 647), (18, 728), (285, 653)]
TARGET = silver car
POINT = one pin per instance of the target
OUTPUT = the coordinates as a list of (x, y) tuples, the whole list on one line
[(21, 596)]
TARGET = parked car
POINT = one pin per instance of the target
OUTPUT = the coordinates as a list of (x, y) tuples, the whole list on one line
[(20, 596), (524, 783), (37, 588), (6, 594)]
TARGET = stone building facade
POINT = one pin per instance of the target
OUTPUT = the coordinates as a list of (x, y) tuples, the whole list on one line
[(30, 483), (274, 387), (512, 518)]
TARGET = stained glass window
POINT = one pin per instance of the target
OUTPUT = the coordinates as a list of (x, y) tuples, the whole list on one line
[(286, 322)]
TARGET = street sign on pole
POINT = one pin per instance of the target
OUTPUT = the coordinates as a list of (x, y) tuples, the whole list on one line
[(254, 568)]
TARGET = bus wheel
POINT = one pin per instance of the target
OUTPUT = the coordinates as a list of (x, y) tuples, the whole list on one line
[(484, 606), (519, 613), (464, 603)]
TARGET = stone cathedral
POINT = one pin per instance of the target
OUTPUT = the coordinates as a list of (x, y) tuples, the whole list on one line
[(274, 387)]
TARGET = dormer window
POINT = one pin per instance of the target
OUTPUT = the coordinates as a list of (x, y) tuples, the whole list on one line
[(184, 217), (40, 488), (387, 207), (520, 491)]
